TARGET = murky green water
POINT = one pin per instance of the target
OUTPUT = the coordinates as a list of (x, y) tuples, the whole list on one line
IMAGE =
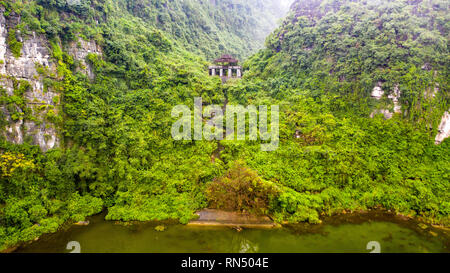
[(351, 234)]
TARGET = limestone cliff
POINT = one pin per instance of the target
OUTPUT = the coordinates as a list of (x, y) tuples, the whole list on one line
[(80, 50), (378, 94), (444, 129), (27, 103)]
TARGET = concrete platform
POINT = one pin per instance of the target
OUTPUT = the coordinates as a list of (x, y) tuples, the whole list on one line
[(212, 217)]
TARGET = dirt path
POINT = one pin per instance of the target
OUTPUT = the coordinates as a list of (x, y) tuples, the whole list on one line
[(220, 148)]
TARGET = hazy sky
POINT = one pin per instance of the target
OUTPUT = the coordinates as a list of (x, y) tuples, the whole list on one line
[(286, 2), (285, 5)]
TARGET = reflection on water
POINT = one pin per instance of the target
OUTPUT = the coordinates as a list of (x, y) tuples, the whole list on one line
[(345, 236), (240, 244)]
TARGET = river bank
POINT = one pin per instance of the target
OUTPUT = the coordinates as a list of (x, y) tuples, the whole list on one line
[(340, 233)]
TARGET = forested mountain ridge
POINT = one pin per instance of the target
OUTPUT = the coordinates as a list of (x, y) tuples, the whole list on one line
[(94, 83), (399, 46), (212, 27), (132, 35), (333, 66)]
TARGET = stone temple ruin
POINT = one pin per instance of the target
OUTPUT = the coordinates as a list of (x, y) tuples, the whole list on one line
[(226, 67)]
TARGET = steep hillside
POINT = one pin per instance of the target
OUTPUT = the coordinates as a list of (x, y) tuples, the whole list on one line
[(132, 35), (334, 67), (92, 86), (86, 93), (350, 47), (211, 27)]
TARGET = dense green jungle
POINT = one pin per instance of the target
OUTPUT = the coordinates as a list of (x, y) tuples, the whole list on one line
[(319, 60)]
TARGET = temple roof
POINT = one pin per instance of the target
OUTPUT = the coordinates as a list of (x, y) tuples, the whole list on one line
[(226, 59)]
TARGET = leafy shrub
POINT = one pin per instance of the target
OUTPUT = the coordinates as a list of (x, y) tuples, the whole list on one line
[(82, 206), (241, 189), (14, 45)]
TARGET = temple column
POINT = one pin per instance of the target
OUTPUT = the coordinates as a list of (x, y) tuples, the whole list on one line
[(221, 72), (230, 73), (213, 71), (238, 73)]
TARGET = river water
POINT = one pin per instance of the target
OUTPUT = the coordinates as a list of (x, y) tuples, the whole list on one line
[(349, 233)]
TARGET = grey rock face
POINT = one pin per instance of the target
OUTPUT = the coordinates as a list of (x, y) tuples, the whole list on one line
[(3, 35), (80, 50), (35, 51), (395, 97), (378, 93), (444, 129)]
